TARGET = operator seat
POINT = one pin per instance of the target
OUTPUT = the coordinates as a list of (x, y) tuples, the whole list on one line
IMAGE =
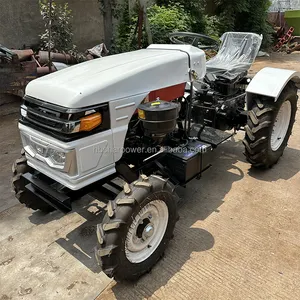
[(237, 52)]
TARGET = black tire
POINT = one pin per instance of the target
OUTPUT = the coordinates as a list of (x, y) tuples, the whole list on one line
[(121, 212), (25, 197), (261, 119)]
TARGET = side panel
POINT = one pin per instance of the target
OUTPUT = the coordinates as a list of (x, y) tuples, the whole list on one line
[(270, 82), (169, 93), (94, 156), (121, 112)]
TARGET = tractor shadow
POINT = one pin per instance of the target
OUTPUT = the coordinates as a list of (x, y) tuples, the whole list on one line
[(286, 168), (187, 240), (81, 241), (197, 202)]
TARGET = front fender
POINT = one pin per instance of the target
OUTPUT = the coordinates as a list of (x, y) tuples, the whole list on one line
[(270, 82)]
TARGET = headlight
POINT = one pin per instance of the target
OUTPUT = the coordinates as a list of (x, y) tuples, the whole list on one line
[(57, 157), (54, 157)]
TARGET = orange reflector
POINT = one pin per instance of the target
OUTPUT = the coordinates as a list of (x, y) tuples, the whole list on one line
[(90, 122), (141, 114)]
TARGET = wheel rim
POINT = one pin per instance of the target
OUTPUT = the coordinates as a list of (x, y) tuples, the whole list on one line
[(281, 125), (146, 231)]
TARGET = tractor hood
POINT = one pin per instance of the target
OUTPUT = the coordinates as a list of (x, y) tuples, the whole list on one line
[(119, 76)]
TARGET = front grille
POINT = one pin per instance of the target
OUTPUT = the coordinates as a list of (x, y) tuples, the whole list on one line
[(56, 120), (46, 120)]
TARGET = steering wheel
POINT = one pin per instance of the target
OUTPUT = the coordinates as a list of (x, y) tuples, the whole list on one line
[(201, 41)]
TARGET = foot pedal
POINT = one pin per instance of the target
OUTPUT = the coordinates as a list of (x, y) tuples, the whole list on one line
[(210, 135)]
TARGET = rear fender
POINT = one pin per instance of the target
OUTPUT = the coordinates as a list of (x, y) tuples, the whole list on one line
[(270, 82)]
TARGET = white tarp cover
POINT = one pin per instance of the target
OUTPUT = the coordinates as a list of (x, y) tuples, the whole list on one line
[(236, 55)]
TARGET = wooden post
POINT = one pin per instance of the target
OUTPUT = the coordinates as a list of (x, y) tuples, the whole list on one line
[(108, 22), (143, 5)]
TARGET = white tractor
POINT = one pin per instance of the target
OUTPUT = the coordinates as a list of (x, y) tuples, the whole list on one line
[(151, 117)]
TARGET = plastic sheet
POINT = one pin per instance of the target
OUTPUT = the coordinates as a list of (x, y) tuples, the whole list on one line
[(236, 55), (98, 51)]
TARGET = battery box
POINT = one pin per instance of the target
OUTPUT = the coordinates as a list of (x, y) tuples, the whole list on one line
[(189, 161)]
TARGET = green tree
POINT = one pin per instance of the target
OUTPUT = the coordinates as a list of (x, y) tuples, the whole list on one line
[(245, 15), (164, 20), (194, 8), (61, 27), (255, 20), (228, 10), (229, 15)]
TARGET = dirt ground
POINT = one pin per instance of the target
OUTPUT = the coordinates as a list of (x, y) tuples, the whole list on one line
[(238, 236), (277, 60)]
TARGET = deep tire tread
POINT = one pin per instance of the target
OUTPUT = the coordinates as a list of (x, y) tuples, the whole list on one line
[(125, 201), (112, 225), (111, 209), (111, 233), (258, 130), (102, 252)]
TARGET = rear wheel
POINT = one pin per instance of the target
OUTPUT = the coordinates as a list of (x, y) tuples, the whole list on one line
[(269, 127), (136, 229), (19, 168)]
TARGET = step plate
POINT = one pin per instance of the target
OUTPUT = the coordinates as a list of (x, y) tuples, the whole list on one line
[(210, 135)]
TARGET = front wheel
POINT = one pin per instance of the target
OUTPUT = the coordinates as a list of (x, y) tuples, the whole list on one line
[(269, 127), (136, 229)]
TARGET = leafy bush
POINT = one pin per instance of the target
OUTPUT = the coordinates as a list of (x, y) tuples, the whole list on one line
[(229, 15), (193, 8), (212, 26), (61, 28), (165, 20), (124, 39), (167, 16)]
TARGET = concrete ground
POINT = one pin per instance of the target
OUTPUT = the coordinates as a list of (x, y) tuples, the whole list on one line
[(238, 236)]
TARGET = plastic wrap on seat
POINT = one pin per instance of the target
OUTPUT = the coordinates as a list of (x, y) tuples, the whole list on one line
[(236, 55)]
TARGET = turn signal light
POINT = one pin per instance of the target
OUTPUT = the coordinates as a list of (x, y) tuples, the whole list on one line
[(141, 114), (90, 122)]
